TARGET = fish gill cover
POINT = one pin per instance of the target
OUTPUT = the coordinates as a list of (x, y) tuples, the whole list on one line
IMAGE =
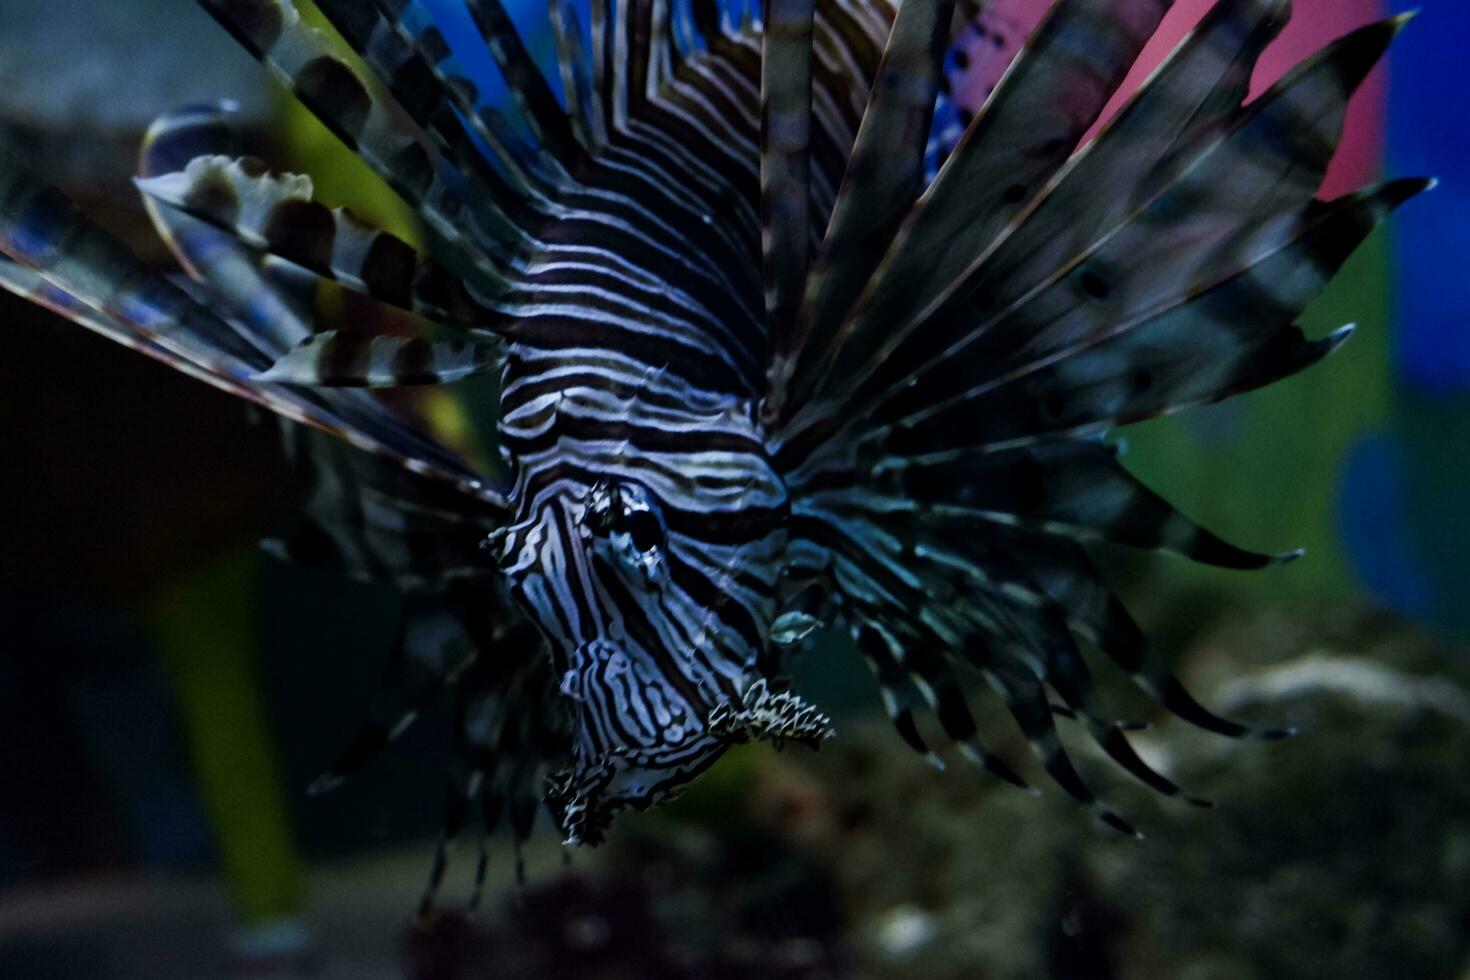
[(777, 348)]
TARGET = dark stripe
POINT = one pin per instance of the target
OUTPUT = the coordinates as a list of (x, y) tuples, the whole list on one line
[(328, 83)]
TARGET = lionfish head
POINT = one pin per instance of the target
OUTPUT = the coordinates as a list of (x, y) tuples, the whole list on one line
[(651, 564)]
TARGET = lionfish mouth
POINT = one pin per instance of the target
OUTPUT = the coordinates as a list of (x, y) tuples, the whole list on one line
[(584, 797), (631, 773)]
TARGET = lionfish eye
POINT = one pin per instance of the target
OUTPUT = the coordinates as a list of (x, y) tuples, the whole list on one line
[(644, 529), (626, 520)]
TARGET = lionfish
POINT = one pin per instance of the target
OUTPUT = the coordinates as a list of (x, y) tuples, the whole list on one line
[(774, 352)]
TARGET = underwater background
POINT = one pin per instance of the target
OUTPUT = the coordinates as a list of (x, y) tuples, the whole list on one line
[(166, 692)]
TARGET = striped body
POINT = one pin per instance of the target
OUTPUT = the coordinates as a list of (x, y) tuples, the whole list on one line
[(776, 348), (655, 412), (647, 544)]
